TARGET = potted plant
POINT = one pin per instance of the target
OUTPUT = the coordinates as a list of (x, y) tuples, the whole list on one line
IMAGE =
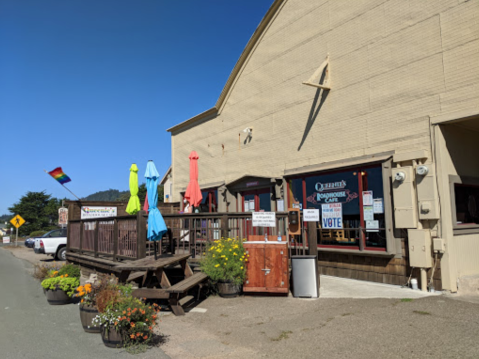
[(223, 263), (60, 288), (125, 320)]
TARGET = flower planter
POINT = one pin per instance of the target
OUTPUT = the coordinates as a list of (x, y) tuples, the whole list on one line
[(227, 289), (57, 297), (112, 338), (87, 313)]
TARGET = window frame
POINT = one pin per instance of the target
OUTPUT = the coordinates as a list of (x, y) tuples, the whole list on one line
[(390, 248), (467, 181)]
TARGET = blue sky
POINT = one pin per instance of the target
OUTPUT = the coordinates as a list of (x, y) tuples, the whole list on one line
[(92, 85)]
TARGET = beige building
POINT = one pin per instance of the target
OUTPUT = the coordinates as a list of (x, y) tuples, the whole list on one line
[(167, 183), (366, 110)]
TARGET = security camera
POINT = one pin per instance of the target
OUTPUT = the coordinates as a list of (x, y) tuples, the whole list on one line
[(422, 170), (400, 177)]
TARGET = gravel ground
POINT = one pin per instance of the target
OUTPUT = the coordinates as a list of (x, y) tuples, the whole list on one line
[(286, 327)]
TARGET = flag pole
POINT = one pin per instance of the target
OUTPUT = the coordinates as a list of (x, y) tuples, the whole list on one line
[(63, 186)]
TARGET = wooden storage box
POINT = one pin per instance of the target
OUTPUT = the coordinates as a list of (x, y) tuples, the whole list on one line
[(267, 266)]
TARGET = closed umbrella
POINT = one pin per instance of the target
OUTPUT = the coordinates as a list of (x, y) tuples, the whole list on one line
[(156, 223), (134, 202), (193, 192)]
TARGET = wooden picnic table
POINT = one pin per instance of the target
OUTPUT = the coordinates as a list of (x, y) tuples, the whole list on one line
[(149, 267)]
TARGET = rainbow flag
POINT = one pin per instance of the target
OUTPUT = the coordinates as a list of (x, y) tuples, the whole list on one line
[(59, 175)]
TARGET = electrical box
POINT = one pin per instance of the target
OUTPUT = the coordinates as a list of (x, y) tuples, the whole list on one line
[(438, 245), (427, 197), (420, 248), (404, 193)]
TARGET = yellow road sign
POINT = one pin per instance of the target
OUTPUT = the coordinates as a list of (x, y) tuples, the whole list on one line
[(17, 221)]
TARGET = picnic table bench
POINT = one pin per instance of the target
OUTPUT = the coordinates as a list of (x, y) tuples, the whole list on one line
[(146, 268)]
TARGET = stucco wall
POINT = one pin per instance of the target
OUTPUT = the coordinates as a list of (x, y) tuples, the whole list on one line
[(393, 64)]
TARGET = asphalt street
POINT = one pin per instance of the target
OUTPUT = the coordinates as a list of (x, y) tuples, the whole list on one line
[(31, 328)]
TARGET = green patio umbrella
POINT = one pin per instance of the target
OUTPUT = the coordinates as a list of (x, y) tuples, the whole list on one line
[(134, 202)]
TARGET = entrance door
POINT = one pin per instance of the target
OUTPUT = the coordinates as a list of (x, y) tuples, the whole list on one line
[(256, 201)]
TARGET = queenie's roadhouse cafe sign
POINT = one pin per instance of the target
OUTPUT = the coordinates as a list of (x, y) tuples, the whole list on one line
[(332, 192)]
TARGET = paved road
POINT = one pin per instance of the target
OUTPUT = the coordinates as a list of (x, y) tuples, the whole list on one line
[(31, 328)]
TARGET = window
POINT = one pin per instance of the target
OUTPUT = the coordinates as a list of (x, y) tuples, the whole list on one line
[(350, 203), (466, 199), (209, 203)]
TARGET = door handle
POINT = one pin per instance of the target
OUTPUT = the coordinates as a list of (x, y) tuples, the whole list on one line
[(266, 271)]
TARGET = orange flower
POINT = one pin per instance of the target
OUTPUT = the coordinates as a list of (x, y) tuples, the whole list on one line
[(132, 325), (145, 337), (129, 309), (82, 300), (124, 312), (146, 319), (154, 316), (137, 334), (132, 336), (116, 323), (150, 328), (124, 318)]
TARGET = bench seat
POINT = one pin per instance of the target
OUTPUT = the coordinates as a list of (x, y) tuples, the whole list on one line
[(188, 283)]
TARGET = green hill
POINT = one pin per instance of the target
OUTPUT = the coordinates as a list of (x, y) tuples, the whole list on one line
[(106, 196)]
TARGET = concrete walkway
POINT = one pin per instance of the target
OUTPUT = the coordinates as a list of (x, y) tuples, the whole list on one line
[(334, 287)]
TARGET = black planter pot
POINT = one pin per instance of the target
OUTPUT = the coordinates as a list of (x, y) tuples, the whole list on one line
[(87, 313), (227, 289), (112, 338), (57, 297)]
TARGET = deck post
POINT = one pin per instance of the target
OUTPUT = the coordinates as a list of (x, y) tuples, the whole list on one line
[(312, 239), (115, 239), (224, 226), (141, 235), (95, 243), (81, 237)]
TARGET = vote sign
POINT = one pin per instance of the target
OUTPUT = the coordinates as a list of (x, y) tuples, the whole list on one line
[(332, 216)]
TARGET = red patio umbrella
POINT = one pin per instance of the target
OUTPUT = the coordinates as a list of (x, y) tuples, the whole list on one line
[(193, 192)]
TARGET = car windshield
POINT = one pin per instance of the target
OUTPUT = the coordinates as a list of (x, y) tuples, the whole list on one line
[(47, 234)]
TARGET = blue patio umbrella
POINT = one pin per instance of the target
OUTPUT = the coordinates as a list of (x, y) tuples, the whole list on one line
[(156, 223)]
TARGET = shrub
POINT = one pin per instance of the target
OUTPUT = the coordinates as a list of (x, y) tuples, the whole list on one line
[(43, 270), (225, 260), (70, 269), (63, 282)]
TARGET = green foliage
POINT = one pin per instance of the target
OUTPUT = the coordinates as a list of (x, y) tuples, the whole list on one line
[(66, 284), (225, 260), (38, 209), (70, 269), (106, 196), (37, 233), (5, 218), (131, 317), (45, 270)]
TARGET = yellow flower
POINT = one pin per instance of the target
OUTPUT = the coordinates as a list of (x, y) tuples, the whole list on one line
[(230, 250), (248, 255), (241, 259), (226, 259), (223, 256), (217, 265), (234, 253), (225, 263), (241, 267), (214, 256)]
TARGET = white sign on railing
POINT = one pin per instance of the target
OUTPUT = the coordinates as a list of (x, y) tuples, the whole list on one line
[(311, 215), (96, 212), (264, 219)]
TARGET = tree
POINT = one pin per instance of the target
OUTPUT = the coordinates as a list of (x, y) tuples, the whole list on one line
[(38, 209)]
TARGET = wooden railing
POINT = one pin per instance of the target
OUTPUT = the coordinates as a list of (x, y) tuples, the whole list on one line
[(116, 237), (124, 237)]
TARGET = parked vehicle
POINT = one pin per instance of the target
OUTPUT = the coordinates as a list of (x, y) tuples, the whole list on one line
[(30, 242), (53, 243)]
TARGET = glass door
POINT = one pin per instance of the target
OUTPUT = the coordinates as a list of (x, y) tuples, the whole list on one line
[(256, 201)]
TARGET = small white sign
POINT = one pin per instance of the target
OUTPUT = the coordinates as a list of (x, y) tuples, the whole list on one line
[(378, 205), (95, 212), (280, 205), (311, 215), (368, 213), (367, 198), (264, 219), (251, 205), (372, 226), (6, 239), (246, 206), (332, 216)]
